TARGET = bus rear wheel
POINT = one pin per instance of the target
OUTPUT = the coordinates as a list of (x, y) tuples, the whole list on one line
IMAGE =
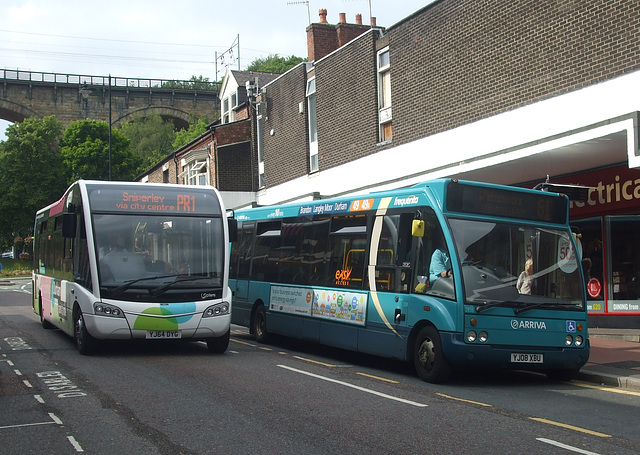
[(259, 325), (428, 358), (218, 345), (84, 341)]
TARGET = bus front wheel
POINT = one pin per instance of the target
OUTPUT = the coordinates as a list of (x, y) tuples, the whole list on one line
[(259, 325), (428, 358), (218, 345), (84, 341)]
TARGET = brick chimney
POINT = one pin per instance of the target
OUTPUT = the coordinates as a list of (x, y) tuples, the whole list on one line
[(324, 38), (323, 16), (321, 38)]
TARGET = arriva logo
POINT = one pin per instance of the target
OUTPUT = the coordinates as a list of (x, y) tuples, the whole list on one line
[(409, 200), (538, 325)]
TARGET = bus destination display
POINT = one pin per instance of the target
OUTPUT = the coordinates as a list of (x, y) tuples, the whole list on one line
[(153, 201), (482, 200)]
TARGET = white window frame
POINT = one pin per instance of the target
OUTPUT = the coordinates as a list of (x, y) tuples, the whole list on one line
[(225, 110), (260, 146), (385, 113), (229, 105), (313, 124), (195, 167)]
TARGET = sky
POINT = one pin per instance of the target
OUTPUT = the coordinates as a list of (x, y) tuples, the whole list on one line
[(167, 40)]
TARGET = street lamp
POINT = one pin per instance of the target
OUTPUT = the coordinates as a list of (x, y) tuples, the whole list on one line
[(109, 127), (85, 91)]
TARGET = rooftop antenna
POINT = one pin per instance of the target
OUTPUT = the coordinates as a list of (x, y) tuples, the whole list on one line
[(303, 3)]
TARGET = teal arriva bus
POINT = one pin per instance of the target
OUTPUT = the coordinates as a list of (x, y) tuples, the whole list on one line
[(117, 260), (433, 274)]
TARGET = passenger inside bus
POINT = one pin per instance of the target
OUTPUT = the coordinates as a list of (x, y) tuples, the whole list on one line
[(114, 242), (525, 280), (433, 271), (440, 266), (116, 263)]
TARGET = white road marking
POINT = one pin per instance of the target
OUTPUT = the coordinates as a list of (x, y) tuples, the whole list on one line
[(565, 446), (75, 444), (346, 384)]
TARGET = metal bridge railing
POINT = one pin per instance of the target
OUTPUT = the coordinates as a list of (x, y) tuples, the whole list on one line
[(79, 79)]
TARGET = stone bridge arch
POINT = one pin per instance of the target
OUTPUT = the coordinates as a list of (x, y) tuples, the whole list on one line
[(180, 118), (75, 97), (15, 112)]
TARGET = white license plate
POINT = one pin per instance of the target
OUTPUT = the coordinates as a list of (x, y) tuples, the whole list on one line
[(527, 358), (163, 334)]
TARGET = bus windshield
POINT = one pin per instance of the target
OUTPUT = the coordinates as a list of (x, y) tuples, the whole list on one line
[(517, 265), (157, 257)]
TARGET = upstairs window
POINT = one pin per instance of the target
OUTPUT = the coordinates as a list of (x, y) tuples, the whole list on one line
[(313, 125), (225, 110), (384, 96), (195, 172), (228, 108), (260, 145)]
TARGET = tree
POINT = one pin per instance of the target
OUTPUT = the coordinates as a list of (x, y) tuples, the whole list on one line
[(274, 64), (85, 152), (195, 83), (185, 136), (32, 175), (151, 139)]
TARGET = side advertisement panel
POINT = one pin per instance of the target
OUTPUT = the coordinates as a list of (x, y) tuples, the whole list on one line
[(330, 304)]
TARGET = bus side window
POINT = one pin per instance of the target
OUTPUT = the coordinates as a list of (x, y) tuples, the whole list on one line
[(266, 257), (241, 252), (314, 247), (347, 245), (82, 271)]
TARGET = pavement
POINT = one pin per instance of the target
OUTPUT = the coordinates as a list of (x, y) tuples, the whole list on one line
[(614, 360)]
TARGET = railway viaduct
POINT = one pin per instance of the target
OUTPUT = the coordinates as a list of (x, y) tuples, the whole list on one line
[(73, 97)]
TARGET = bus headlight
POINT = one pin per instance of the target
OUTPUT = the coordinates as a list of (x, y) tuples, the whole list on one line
[(579, 340), (102, 309), (471, 336), (483, 337), (568, 340), (216, 310)]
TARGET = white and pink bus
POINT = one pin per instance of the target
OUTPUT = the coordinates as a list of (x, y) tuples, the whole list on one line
[(116, 260)]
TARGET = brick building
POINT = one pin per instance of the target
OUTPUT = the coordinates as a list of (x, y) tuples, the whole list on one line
[(501, 91), (222, 156)]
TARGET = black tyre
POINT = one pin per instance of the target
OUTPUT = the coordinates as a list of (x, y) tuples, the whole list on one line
[(428, 358), (218, 345), (259, 325), (84, 341)]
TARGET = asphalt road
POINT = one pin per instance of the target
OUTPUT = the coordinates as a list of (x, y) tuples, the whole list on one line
[(287, 397)]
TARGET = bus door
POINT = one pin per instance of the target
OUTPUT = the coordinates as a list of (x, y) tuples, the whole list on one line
[(241, 259), (391, 241)]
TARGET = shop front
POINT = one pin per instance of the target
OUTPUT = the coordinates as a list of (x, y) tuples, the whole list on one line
[(609, 224)]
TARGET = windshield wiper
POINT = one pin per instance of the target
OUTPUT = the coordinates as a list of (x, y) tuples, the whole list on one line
[(487, 305), (128, 284), (533, 306), (179, 279)]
